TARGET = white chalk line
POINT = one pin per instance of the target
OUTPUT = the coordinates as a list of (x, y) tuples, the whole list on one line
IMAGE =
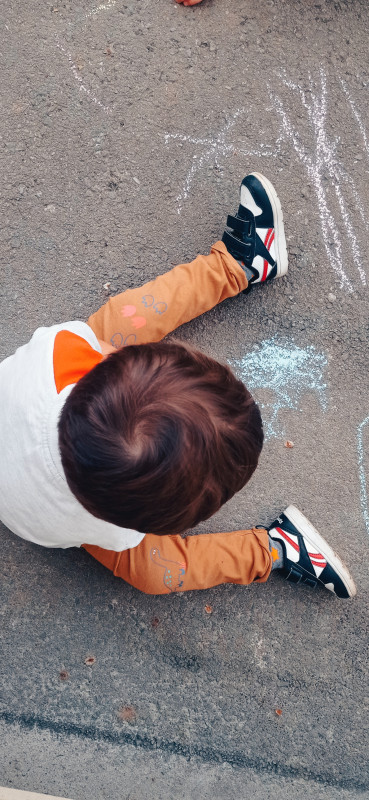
[(325, 159), (363, 214), (353, 240), (362, 473), (335, 168), (212, 149), (356, 115), (327, 222), (78, 78), (351, 184), (317, 115)]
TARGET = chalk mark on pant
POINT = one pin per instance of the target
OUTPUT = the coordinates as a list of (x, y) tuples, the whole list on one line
[(174, 571)]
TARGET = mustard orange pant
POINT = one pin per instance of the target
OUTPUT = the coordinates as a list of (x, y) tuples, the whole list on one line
[(164, 564)]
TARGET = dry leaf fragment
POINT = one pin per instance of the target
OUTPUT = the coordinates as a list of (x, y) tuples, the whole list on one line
[(90, 660), (288, 444), (155, 622), (278, 711), (63, 675), (209, 609)]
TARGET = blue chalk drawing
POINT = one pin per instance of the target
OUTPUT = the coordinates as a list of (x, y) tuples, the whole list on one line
[(286, 370), (362, 472)]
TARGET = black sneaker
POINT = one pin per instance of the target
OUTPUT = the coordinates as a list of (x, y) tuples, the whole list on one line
[(256, 238), (307, 556)]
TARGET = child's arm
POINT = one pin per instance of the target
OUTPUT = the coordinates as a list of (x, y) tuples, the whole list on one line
[(165, 564)]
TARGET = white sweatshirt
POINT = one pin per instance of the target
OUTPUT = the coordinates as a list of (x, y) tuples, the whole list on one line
[(35, 500)]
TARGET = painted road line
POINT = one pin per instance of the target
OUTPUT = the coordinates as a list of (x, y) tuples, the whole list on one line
[(16, 794)]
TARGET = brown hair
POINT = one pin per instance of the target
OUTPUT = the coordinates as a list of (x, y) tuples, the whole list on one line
[(157, 437)]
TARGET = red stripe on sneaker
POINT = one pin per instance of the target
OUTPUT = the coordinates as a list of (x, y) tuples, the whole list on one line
[(317, 556), (317, 559), (287, 538), (268, 233), (321, 564), (268, 241)]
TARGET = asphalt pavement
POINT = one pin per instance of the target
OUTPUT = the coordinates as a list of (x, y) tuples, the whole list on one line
[(125, 130)]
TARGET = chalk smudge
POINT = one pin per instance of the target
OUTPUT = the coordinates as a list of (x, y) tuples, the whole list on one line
[(324, 164), (103, 7), (78, 78), (210, 149), (286, 370), (362, 472)]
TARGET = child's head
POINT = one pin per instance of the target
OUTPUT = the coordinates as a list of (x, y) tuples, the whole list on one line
[(157, 437)]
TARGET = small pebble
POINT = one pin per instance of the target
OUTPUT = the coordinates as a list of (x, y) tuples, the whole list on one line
[(331, 297)]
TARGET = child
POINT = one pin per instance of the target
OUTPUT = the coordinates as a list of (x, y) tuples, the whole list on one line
[(103, 442)]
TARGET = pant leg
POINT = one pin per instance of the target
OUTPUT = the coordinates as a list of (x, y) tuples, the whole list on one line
[(165, 564), (149, 313)]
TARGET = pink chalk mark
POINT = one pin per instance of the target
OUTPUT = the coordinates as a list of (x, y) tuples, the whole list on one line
[(129, 311), (139, 322)]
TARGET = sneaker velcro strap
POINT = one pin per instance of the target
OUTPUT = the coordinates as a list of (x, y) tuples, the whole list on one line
[(244, 251), (310, 582), (241, 226), (294, 575)]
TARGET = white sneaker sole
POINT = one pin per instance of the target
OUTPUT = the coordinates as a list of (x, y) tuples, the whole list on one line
[(316, 541), (280, 238)]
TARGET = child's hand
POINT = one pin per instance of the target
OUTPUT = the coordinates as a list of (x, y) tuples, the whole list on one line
[(189, 2)]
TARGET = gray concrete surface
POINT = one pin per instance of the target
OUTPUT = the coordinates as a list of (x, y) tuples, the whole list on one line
[(125, 131), (130, 773)]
